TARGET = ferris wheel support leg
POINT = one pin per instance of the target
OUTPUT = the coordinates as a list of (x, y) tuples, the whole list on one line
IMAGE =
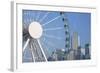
[(33, 57), (42, 50), (27, 42)]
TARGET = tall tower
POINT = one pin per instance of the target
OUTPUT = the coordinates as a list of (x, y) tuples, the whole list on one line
[(75, 41), (67, 33)]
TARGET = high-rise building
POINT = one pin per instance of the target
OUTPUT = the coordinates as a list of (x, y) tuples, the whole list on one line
[(87, 51), (75, 41), (71, 55)]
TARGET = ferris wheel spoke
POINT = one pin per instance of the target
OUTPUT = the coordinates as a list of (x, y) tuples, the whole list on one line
[(38, 16), (26, 22), (44, 17), (49, 43), (51, 20), (32, 16), (25, 26), (29, 17), (35, 15), (52, 36), (46, 43), (56, 28)]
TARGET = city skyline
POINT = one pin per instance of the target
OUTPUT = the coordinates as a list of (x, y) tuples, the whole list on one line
[(78, 22), (53, 37)]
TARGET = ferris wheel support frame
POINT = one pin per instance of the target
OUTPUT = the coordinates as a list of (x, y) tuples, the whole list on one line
[(33, 57), (42, 50)]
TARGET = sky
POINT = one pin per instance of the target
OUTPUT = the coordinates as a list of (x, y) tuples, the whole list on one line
[(81, 23), (53, 36)]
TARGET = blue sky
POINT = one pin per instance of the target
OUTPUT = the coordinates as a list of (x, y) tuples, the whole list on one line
[(55, 39), (81, 23)]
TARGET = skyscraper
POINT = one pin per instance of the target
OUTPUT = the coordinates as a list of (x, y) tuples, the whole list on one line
[(75, 41), (76, 45)]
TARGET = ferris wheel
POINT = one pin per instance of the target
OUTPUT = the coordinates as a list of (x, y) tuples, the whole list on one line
[(43, 33)]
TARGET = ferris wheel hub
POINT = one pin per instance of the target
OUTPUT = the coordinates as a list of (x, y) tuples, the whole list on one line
[(35, 30)]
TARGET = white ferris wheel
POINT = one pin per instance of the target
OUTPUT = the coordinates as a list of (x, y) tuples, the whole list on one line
[(44, 32)]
